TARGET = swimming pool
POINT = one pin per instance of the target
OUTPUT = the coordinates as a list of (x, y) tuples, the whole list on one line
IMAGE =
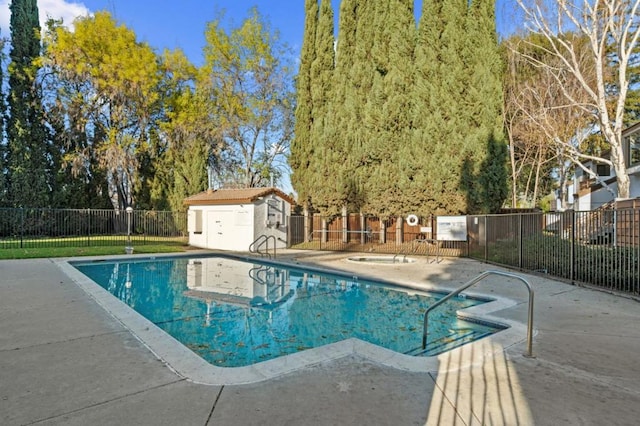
[(235, 312)]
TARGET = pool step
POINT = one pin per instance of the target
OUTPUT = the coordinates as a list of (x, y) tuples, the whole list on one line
[(451, 341)]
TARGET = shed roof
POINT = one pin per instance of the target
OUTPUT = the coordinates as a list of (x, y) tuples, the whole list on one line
[(233, 196)]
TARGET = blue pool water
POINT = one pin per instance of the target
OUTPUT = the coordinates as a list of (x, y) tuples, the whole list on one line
[(236, 313)]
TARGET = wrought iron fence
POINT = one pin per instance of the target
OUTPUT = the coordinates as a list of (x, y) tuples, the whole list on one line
[(33, 227), (599, 247)]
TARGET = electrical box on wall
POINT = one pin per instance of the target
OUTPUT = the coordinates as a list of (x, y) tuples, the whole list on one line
[(275, 213)]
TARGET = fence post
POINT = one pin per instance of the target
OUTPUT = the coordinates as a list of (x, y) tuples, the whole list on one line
[(88, 227), (345, 226), (306, 224), (21, 227), (486, 239), (572, 255), (520, 239), (324, 231)]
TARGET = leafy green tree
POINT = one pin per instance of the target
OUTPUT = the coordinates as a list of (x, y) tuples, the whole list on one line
[(249, 79), (190, 129), (412, 113), (28, 155), (109, 87)]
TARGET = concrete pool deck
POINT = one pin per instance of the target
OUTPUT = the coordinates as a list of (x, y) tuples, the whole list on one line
[(65, 360)]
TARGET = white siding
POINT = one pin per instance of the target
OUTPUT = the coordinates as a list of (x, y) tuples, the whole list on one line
[(227, 227), (234, 227)]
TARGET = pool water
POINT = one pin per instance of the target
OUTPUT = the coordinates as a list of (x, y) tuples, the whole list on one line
[(235, 313)]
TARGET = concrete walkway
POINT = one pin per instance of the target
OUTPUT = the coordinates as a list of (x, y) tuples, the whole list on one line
[(65, 360)]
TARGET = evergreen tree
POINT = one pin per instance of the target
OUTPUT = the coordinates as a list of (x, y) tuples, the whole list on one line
[(457, 109), (3, 114), (483, 106), (29, 159), (322, 74), (429, 117), (335, 166), (389, 116), (413, 124), (302, 151)]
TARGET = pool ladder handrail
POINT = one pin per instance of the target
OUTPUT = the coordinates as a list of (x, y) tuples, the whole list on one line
[(423, 240), (257, 244), (404, 252), (401, 252), (483, 275)]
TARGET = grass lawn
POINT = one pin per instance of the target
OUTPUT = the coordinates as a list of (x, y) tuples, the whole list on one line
[(44, 252)]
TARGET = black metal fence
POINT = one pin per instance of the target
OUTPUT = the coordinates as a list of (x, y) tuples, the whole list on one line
[(32, 227), (600, 248)]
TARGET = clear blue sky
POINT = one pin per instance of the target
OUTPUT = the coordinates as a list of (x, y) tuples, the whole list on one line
[(181, 23)]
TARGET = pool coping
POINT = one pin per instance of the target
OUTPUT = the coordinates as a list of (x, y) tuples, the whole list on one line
[(192, 367)]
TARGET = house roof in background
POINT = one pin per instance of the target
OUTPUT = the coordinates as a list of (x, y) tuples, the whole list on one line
[(631, 129), (233, 196)]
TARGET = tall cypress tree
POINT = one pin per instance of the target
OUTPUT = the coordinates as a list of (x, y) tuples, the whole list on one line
[(389, 109), (452, 122), (429, 119), (3, 112), (414, 120), (28, 155), (303, 149), (335, 165), (483, 103), (322, 70)]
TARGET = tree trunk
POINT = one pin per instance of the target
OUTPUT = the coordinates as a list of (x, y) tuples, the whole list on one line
[(619, 165)]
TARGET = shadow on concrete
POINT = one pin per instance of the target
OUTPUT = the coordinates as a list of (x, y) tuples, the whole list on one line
[(477, 384)]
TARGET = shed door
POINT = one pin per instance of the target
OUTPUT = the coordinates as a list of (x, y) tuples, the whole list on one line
[(220, 223)]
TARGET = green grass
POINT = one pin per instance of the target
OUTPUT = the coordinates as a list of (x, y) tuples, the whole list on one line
[(44, 252)]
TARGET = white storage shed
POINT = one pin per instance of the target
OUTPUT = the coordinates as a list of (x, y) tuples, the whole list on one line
[(232, 219)]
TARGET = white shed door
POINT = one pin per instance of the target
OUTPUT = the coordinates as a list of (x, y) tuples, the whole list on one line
[(220, 223)]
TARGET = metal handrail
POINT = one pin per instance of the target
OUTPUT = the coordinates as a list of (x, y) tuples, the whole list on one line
[(477, 279), (405, 251), (438, 258), (400, 252), (254, 247)]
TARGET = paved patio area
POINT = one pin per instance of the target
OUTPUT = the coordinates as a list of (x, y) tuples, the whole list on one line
[(65, 360)]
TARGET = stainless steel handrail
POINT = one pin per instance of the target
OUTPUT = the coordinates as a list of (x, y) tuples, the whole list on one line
[(529, 352), (438, 259), (402, 251), (254, 247)]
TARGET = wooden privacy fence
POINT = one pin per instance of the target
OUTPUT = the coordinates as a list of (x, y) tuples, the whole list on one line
[(362, 233)]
